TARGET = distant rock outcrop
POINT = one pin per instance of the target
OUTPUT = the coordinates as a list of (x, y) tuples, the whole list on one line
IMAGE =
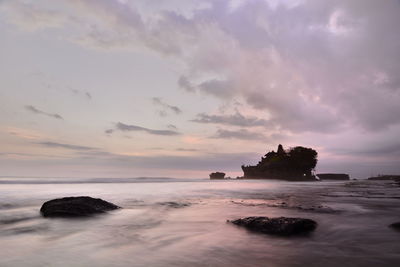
[(277, 226), (217, 175), (75, 207), (333, 176), (385, 177), (295, 164)]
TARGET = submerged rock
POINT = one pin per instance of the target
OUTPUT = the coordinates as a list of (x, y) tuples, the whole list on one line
[(75, 207), (175, 205), (395, 226), (277, 226)]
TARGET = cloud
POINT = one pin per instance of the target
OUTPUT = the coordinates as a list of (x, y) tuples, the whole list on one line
[(205, 162), (31, 17), (214, 87), (165, 107), (236, 119), (218, 88), (393, 150), (134, 128), (242, 134), (187, 149), (30, 156), (180, 149), (109, 131), (321, 64), (66, 146), (184, 83), (315, 67), (38, 111), (172, 127), (25, 133), (85, 94)]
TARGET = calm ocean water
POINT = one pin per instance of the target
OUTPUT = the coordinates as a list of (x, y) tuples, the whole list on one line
[(182, 222)]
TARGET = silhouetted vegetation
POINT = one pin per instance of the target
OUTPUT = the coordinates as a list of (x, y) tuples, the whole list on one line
[(297, 163)]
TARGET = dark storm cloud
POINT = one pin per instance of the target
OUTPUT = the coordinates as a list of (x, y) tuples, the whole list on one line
[(134, 128), (236, 119), (38, 111)]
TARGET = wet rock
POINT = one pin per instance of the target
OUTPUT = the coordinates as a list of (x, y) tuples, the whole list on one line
[(75, 207), (277, 226), (395, 226)]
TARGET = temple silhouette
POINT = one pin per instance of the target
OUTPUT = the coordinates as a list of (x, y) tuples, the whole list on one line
[(295, 164)]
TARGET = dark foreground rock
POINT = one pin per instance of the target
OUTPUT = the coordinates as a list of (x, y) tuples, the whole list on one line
[(277, 226), (75, 207), (395, 226)]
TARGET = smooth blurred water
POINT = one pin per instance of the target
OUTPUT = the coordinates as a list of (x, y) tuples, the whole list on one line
[(175, 222)]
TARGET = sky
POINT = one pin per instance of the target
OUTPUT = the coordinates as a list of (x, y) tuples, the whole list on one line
[(181, 88)]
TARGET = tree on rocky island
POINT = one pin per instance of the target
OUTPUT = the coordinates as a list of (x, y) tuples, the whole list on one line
[(297, 163)]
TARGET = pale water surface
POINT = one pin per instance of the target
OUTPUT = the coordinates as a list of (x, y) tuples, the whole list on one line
[(183, 222)]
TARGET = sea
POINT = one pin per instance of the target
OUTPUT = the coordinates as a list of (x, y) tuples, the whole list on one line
[(185, 222)]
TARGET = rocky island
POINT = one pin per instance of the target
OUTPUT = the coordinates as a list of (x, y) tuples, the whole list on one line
[(295, 164), (217, 175)]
